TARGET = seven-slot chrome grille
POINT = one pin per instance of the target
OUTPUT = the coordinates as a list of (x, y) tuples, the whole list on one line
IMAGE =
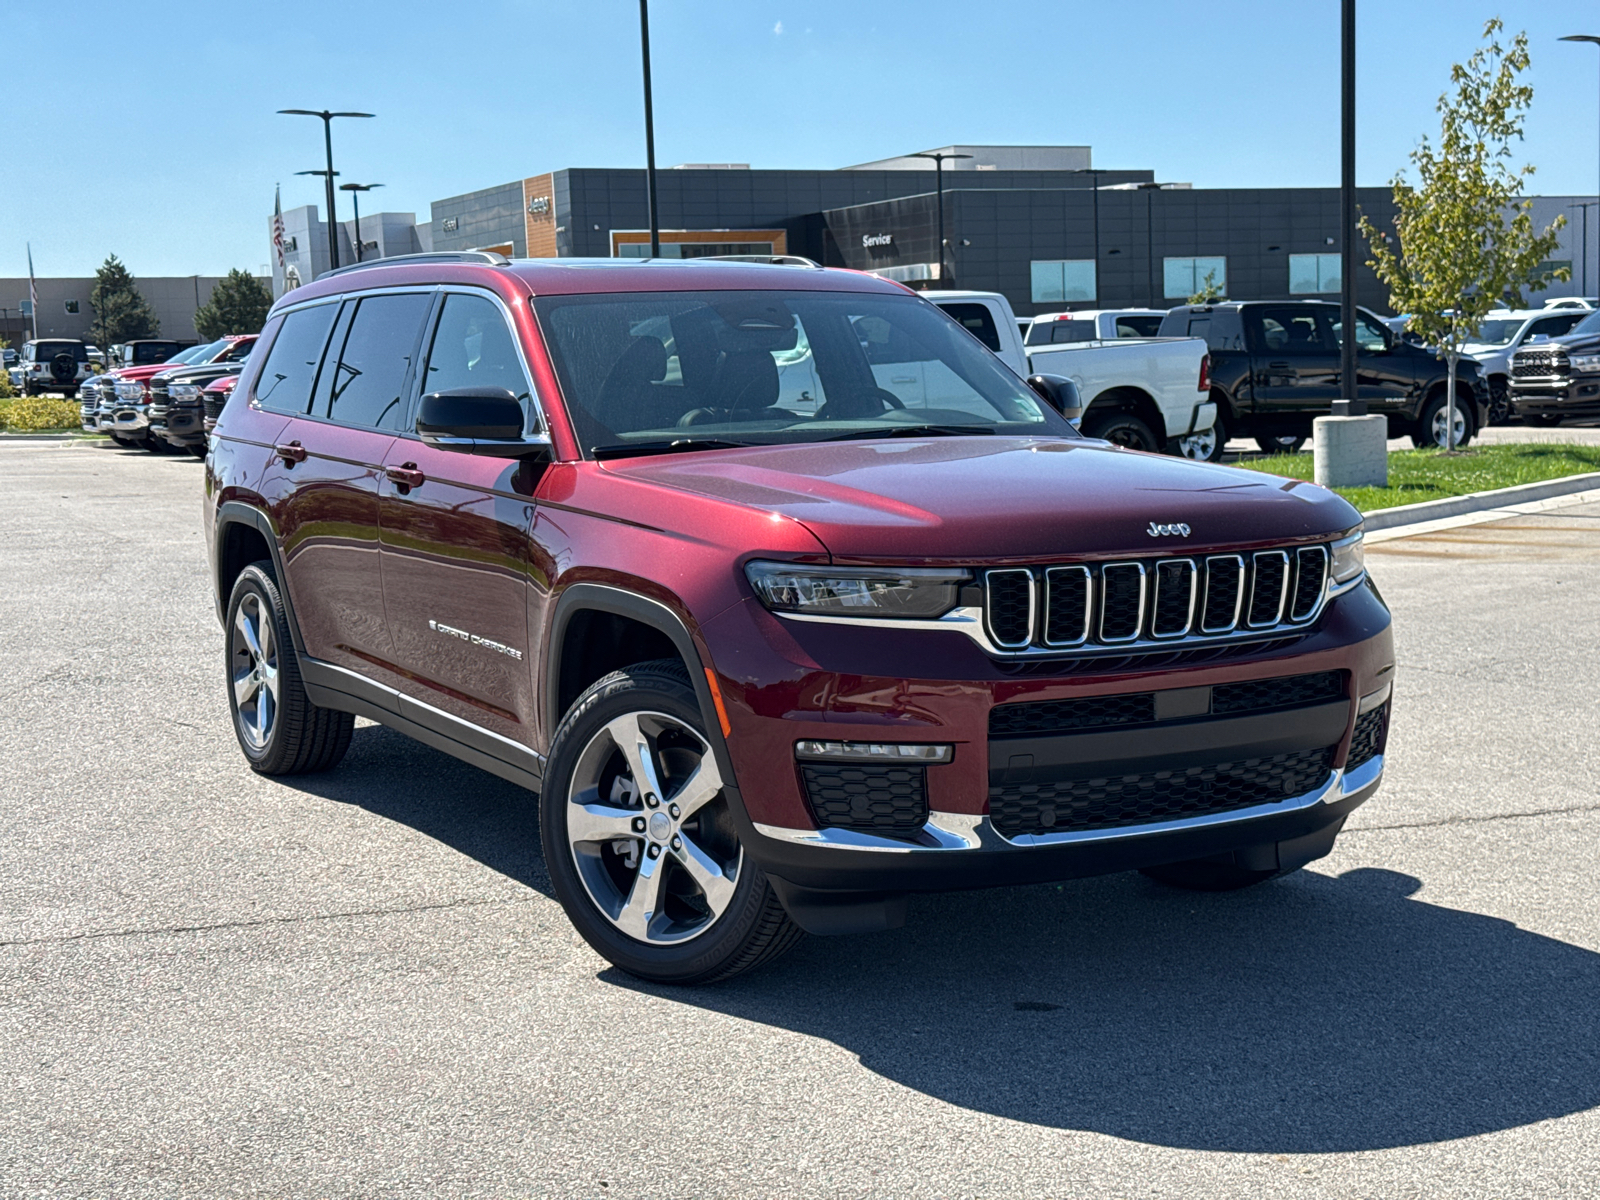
[(1152, 601)]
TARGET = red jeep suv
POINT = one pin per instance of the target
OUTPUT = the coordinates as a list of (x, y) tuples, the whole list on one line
[(774, 646)]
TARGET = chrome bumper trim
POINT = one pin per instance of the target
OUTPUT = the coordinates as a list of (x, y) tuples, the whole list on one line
[(968, 831)]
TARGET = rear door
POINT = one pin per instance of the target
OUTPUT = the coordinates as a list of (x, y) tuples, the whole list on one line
[(455, 538), (1294, 361)]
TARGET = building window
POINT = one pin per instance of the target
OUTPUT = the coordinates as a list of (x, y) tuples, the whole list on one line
[(1314, 274), (1187, 277), (1063, 281), (71, 306)]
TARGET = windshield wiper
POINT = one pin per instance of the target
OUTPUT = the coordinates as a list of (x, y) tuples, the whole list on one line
[(629, 449), (889, 431)]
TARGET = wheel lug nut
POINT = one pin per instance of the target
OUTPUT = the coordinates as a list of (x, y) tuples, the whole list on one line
[(655, 850), (677, 843), (675, 811), (638, 824), (651, 800)]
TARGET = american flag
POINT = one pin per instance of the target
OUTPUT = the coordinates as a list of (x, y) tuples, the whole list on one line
[(277, 224), (33, 292)]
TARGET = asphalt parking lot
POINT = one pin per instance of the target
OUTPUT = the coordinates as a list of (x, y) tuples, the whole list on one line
[(357, 984)]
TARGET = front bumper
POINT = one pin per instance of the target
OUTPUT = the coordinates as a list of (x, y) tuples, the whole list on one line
[(130, 420), (181, 425), (1576, 397)]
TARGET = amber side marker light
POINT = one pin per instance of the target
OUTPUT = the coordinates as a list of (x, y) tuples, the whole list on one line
[(716, 699)]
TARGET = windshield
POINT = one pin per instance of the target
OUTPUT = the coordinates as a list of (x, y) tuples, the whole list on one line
[(763, 368), (198, 354), (1499, 332), (1590, 324)]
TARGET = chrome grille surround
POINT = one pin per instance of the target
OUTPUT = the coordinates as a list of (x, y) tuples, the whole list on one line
[(1217, 566), (999, 589), (1177, 582), (1263, 613), (1062, 588)]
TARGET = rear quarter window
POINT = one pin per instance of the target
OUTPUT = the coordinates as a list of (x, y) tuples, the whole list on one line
[(977, 320)]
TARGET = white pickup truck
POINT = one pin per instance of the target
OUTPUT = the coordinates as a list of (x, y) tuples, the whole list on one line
[(1143, 393)]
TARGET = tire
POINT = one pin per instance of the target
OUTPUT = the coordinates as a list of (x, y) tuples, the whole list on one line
[(198, 450), (1499, 402), (1209, 875), (124, 442), (1121, 429), (156, 445), (1429, 432), (1542, 420), (604, 871), (1207, 446), (280, 731), (1284, 444)]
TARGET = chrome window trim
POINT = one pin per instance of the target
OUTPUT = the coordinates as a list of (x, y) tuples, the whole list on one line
[(1238, 593), (1138, 626), (971, 831), (1194, 584), (1088, 602), (1033, 606), (1283, 589)]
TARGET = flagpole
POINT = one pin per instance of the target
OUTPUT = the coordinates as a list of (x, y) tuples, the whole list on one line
[(33, 294)]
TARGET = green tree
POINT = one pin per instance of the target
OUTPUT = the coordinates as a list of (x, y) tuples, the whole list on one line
[(238, 304), (1208, 292), (121, 314), (1466, 240)]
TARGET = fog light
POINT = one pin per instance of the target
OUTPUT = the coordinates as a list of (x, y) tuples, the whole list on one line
[(879, 752)]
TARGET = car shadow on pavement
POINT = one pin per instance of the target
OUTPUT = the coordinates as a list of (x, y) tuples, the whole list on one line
[(471, 811), (1314, 1014)]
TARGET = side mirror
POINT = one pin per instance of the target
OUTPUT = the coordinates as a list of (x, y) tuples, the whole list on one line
[(1060, 393), (484, 421)]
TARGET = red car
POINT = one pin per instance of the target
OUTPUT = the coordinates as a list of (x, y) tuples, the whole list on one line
[(774, 647)]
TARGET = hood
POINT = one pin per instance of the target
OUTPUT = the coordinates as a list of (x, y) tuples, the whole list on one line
[(202, 374), (1571, 342), (1001, 498), (141, 374)]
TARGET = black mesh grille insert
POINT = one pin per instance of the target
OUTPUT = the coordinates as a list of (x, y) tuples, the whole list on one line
[(1174, 604), (1266, 597), (1010, 608), (1060, 716), (1372, 730), (1536, 363), (1309, 581), (1066, 611), (869, 797), (1221, 609), (1286, 691), (1122, 585), (1108, 803)]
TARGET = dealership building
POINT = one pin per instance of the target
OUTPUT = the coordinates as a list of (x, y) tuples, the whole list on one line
[(1040, 224)]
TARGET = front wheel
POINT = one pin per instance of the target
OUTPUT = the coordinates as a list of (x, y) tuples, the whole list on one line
[(1429, 434), (1499, 402), (640, 839)]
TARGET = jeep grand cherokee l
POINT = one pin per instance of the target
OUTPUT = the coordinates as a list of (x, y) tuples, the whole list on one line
[(773, 646)]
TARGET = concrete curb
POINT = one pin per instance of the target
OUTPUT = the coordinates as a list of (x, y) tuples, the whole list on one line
[(1455, 506), (42, 437)]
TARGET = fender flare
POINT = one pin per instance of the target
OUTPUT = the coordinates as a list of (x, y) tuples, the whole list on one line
[(237, 512), (580, 597)]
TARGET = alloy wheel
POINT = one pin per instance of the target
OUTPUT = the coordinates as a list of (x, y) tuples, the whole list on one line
[(1200, 446), (650, 831), (1437, 430), (253, 656)]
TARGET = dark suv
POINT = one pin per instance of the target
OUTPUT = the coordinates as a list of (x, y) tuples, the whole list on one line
[(1275, 368), (774, 646)]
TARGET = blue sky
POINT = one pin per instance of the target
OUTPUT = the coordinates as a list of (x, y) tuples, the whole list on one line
[(161, 144)]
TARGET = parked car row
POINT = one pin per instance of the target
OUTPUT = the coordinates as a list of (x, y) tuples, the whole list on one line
[(162, 405)]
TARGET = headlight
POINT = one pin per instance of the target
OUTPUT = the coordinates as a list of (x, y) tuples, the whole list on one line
[(907, 592), (130, 390), (183, 391), (1349, 560), (1585, 362)]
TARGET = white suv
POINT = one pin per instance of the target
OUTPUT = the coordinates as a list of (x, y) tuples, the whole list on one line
[(54, 365)]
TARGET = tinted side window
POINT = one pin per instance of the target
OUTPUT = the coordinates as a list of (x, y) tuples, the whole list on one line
[(1293, 331), (473, 348), (369, 376), (1131, 326), (291, 366), (978, 321)]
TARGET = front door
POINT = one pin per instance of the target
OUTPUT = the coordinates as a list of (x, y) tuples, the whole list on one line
[(455, 541), (1385, 380), (1295, 364)]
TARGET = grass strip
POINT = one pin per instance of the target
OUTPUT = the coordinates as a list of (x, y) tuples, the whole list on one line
[(1418, 475)]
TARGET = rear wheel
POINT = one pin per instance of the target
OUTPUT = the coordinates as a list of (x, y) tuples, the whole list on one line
[(1121, 429), (640, 841), (280, 731), (1206, 446), (1283, 444)]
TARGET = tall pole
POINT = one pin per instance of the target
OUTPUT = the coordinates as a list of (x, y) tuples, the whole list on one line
[(649, 130), (938, 157), (327, 139), (1094, 182), (355, 190), (1351, 404)]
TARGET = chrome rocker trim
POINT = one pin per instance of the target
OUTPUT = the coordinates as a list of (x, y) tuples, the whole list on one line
[(970, 831)]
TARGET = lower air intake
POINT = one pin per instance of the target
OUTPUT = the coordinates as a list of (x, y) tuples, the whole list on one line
[(888, 800)]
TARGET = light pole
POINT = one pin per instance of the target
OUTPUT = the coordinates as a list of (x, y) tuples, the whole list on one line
[(1149, 190), (327, 138), (355, 190), (1593, 40), (649, 130), (1585, 206), (1351, 404), (938, 185)]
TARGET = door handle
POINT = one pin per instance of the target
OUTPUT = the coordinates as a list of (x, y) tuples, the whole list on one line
[(291, 453), (406, 476)]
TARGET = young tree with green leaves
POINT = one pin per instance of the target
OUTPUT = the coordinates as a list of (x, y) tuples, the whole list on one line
[(1466, 240), (238, 304), (121, 313), (1209, 291)]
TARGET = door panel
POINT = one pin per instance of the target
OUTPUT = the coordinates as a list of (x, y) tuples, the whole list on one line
[(1295, 362), (1385, 379)]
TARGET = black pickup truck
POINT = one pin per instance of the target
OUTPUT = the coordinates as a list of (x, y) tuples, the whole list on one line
[(1275, 367)]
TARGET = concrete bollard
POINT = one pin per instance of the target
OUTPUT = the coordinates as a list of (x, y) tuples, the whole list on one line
[(1351, 451)]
